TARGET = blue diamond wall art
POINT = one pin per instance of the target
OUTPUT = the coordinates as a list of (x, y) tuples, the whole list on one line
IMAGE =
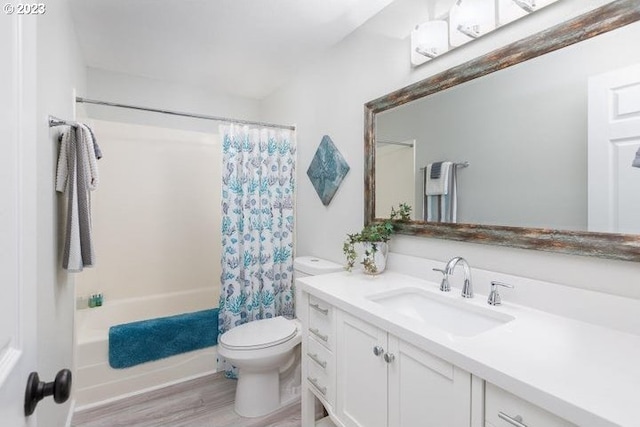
[(327, 170)]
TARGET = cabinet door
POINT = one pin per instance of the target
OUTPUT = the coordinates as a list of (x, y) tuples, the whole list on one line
[(362, 376), (425, 390)]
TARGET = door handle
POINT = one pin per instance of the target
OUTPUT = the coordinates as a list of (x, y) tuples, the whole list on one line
[(37, 390)]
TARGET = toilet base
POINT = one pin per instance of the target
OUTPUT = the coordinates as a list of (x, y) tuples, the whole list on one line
[(257, 393)]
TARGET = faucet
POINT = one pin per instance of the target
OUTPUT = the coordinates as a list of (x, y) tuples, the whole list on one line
[(467, 289)]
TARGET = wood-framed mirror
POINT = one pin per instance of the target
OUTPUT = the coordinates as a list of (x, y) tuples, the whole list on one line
[(575, 235)]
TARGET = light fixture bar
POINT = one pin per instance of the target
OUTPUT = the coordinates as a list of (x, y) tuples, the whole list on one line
[(526, 5), (472, 31), (429, 53)]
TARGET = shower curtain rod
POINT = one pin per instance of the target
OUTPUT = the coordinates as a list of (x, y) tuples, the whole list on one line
[(179, 113)]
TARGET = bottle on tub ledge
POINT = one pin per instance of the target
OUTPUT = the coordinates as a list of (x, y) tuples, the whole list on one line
[(95, 300)]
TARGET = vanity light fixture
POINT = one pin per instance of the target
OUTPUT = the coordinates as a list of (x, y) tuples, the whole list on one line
[(428, 41), (472, 31), (469, 19), (510, 10), (526, 5)]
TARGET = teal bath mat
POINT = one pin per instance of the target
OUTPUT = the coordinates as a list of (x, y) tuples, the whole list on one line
[(133, 343)]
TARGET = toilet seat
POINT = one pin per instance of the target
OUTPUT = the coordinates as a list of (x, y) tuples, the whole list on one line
[(260, 334)]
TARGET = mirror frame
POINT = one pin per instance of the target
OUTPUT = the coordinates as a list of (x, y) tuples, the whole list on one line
[(604, 245)]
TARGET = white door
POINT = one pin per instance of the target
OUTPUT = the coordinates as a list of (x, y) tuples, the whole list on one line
[(425, 390), (17, 215), (614, 138), (361, 384), (396, 177)]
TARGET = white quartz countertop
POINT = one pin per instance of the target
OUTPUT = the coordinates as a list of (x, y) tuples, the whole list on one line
[(587, 374)]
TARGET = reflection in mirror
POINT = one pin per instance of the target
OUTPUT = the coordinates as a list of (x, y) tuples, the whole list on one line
[(547, 167), (525, 131)]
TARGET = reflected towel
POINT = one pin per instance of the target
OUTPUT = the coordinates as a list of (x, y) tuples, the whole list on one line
[(443, 207), (437, 186)]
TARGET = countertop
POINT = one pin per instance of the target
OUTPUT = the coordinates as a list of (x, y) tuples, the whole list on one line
[(585, 373)]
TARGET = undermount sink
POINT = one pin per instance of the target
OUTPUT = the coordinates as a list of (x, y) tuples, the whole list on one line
[(456, 317)]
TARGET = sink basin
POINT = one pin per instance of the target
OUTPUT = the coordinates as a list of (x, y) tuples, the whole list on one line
[(456, 317)]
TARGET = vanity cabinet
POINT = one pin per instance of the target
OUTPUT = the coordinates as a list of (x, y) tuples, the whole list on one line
[(503, 409), (385, 381)]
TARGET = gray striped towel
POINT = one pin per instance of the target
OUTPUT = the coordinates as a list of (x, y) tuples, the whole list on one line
[(77, 176)]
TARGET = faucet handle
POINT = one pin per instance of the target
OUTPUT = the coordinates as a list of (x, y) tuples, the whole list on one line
[(444, 285), (494, 296)]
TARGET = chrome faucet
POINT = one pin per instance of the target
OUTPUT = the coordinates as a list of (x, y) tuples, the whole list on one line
[(467, 288)]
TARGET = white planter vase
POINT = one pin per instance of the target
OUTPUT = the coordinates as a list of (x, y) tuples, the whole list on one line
[(375, 257)]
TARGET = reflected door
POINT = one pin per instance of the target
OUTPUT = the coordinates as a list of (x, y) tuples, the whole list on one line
[(396, 177), (614, 138)]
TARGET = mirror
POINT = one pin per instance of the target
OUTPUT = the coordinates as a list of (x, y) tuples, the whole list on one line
[(518, 116)]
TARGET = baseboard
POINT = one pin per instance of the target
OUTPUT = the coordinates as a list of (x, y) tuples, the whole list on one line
[(72, 409)]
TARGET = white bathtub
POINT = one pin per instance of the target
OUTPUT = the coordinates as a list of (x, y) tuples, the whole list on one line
[(95, 382)]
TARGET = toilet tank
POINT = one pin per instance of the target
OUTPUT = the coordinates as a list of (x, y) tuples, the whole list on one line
[(312, 266)]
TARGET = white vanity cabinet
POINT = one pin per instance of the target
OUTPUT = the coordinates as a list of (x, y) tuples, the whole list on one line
[(384, 381), (503, 409)]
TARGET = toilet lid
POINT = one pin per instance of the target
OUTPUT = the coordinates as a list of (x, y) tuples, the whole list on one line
[(259, 334)]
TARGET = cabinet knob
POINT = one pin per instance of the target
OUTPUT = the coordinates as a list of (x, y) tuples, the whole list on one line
[(377, 350), (389, 357)]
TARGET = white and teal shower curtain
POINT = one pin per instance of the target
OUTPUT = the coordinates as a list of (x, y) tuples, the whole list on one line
[(258, 178)]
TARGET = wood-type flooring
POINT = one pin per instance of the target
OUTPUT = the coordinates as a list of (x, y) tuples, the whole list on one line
[(202, 402)]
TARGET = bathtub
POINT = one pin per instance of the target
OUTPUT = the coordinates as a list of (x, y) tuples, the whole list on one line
[(96, 383)]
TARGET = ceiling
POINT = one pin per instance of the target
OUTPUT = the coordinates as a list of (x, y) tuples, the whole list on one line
[(240, 47)]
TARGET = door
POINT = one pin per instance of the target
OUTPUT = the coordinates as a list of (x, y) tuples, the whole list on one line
[(614, 138), (396, 177), (17, 215), (361, 374), (425, 390)]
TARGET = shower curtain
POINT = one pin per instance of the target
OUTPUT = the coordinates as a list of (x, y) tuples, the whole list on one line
[(258, 180)]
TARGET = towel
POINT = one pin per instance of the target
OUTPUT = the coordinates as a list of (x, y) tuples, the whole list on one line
[(440, 185), (636, 161), (442, 207), (77, 176)]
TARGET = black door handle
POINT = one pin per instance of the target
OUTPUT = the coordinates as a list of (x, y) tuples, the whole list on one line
[(37, 390)]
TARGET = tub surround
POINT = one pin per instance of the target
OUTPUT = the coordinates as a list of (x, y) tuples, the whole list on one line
[(586, 373)]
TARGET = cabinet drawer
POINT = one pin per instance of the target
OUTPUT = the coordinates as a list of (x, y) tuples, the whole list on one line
[(321, 323), (320, 356), (503, 409), (320, 382)]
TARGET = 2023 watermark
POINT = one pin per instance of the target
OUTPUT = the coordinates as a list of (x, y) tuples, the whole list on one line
[(24, 8)]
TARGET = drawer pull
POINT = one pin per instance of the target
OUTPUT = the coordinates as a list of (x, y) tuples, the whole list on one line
[(317, 307), (378, 351), (314, 357), (317, 333), (317, 385), (515, 421)]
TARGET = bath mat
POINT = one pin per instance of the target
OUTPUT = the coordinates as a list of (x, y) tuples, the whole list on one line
[(133, 343)]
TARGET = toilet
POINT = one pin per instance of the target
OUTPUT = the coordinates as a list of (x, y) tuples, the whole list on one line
[(264, 350)]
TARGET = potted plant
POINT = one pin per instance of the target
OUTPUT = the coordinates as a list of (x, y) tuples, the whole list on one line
[(374, 238)]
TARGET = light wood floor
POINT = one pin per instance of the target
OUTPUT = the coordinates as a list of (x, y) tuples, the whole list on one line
[(203, 402)]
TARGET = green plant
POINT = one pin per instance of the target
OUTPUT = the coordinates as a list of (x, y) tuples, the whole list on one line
[(373, 233)]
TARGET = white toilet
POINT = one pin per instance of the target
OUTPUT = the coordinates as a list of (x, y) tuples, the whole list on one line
[(265, 349)]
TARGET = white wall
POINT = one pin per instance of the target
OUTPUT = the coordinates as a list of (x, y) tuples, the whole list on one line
[(140, 91), (156, 213), (327, 97), (60, 70)]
